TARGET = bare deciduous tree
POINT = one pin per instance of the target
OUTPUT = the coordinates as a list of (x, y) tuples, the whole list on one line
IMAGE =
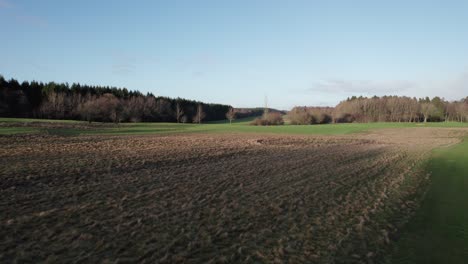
[(427, 109), (54, 106), (179, 112), (200, 115), (300, 116), (88, 109), (231, 114), (462, 111)]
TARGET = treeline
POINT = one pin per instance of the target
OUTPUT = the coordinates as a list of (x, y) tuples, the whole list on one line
[(383, 109), (99, 103)]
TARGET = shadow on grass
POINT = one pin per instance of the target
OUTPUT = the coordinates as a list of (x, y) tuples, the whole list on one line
[(439, 231)]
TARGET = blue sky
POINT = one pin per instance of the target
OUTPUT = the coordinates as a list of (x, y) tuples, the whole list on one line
[(236, 52)]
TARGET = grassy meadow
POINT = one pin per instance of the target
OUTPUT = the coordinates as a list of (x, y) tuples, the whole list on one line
[(19, 125)]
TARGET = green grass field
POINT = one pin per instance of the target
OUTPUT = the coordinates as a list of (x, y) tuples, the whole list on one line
[(439, 231), (30, 120), (18, 130), (238, 126)]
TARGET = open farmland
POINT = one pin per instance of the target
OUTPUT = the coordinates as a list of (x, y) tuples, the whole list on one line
[(194, 198), (10, 126)]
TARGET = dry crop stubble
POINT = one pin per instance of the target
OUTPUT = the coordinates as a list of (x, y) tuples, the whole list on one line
[(210, 198)]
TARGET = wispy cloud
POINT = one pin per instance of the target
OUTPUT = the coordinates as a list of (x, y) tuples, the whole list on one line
[(198, 74), (123, 68), (18, 15), (364, 87), (30, 20), (198, 65), (5, 4), (125, 64), (461, 83), (128, 62), (38, 67), (453, 88)]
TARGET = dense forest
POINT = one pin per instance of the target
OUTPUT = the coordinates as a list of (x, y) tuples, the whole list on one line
[(110, 104), (383, 109), (99, 103)]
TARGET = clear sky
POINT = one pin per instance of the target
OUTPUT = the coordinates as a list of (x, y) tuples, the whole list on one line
[(236, 52)]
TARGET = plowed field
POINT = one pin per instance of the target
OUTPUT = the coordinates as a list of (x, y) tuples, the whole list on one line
[(210, 198)]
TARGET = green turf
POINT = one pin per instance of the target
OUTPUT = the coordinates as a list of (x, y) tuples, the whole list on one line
[(236, 121), (18, 130), (241, 125), (439, 231), (327, 129), (31, 120)]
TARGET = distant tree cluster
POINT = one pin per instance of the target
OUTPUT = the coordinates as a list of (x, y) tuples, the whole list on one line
[(99, 103), (310, 115), (269, 119), (383, 109)]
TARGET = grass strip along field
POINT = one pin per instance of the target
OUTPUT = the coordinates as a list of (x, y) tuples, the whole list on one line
[(439, 231), (73, 128)]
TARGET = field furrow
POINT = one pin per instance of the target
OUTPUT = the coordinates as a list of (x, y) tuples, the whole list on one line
[(209, 198)]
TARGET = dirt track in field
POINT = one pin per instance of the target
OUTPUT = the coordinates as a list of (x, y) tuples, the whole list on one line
[(210, 198)]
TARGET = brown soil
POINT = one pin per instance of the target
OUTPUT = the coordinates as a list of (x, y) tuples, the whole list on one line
[(210, 198)]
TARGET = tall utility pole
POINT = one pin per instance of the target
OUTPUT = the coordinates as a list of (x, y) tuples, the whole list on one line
[(265, 111)]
